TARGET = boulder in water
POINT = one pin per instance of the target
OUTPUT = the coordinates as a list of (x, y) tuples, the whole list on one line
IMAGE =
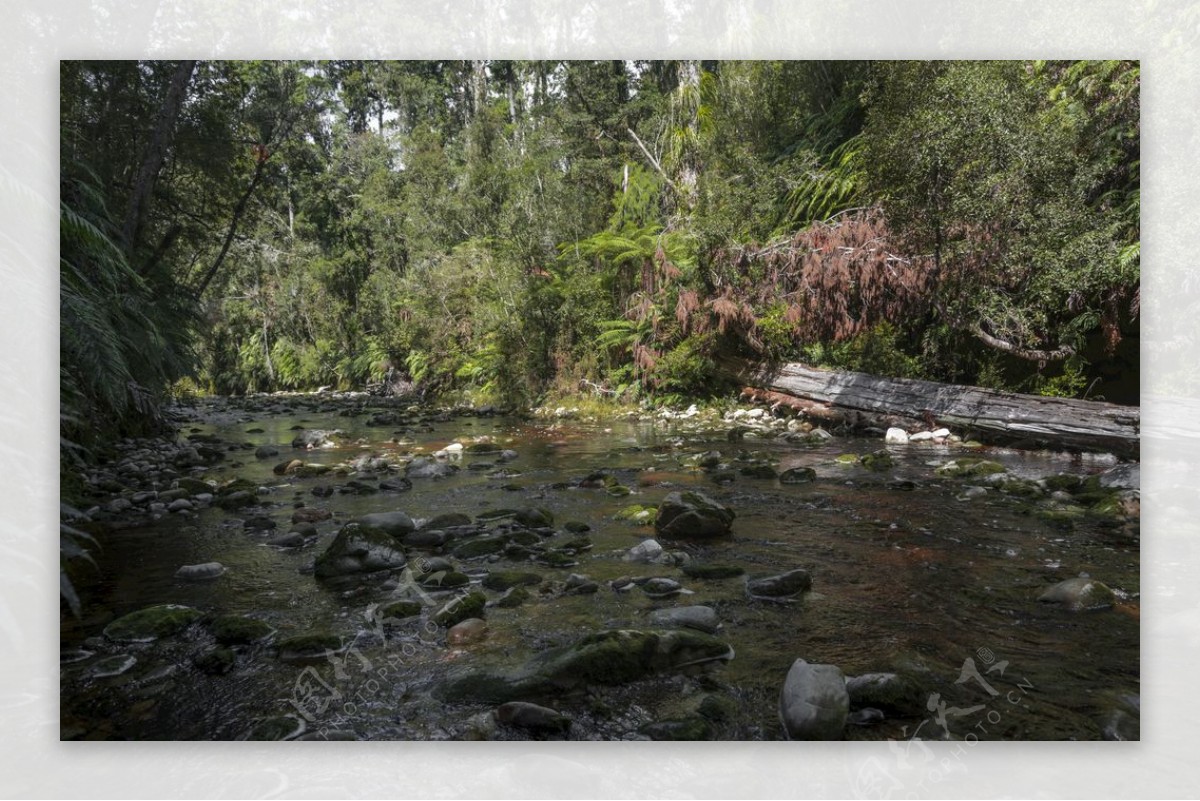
[(813, 704), (151, 623), (356, 550), (1079, 594), (692, 515), (201, 572), (780, 587)]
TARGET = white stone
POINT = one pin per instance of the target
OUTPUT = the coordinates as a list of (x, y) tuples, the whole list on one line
[(921, 436), (645, 551), (941, 433), (896, 436), (814, 703), (454, 447), (755, 414)]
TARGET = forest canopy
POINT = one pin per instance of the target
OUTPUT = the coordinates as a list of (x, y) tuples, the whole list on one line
[(509, 231)]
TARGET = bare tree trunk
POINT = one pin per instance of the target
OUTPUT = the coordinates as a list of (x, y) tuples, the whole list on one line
[(156, 151)]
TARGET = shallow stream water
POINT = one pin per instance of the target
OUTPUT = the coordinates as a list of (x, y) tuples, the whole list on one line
[(906, 576)]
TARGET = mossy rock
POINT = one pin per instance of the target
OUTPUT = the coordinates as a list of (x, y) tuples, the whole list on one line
[(687, 729), (444, 580), (892, 692), (1063, 482), (577, 544), (309, 647), (879, 461), (764, 471), (798, 475), (576, 526), (692, 515), (194, 486), (237, 500), (846, 459), (482, 447), (216, 662), (638, 515), (357, 550), (619, 491), (460, 608), (399, 610), (312, 470), (556, 557), (712, 572), (239, 630), (446, 520), (1079, 594), (717, 708), (235, 486), (513, 598), (1062, 517), (534, 517), (970, 467), (151, 623), (501, 580), (525, 538), (1020, 488), (483, 546)]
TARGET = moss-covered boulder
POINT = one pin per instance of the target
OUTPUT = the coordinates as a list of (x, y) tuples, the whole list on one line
[(637, 515), (513, 598), (460, 608), (444, 580), (879, 461), (357, 550), (692, 515), (798, 475), (151, 623), (310, 647), (481, 546), (398, 610), (891, 692), (239, 630), (447, 520), (534, 517)]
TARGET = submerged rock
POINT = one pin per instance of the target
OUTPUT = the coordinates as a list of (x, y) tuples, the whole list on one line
[(610, 657), (467, 631), (1079, 594), (460, 608), (504, 579), (686, 729), (692, 515), (813, 704), (798, 475), (780, 587), (712, 572), (888, 691), (201, 572), (111, 666), (645, 551), (239, 630), (701, 618), (532, 717), (424, 467), (357, 550), (312, 439), (151, 623), (310, 647)]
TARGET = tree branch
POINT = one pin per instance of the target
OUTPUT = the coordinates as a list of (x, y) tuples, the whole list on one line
[(653, 161), (1058, 354)]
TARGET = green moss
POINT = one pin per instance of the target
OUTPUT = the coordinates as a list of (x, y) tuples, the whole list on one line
[(558, 558), (879, 460), (399, 610), (798, 475), (970, 467), (534, 517), (759, 471), (1063, 482), (638, 515), (513, 598), (151, 623), (306, 647), (846, 459), (483, 546), (687, 729), (238, 630), (619, 491), (717, 708), (460, 608), (445, 580)]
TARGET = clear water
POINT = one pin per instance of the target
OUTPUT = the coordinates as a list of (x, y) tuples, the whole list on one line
[(902, 579)]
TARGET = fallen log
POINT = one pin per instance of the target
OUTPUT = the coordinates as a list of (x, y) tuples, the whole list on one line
[(984, 413)]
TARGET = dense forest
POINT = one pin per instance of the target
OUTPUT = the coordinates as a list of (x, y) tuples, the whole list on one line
[(517, 231)]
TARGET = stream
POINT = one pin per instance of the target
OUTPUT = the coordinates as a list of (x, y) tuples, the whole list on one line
[(912, 571)]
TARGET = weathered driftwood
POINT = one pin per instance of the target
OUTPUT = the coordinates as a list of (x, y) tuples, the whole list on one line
[(1056, 422)]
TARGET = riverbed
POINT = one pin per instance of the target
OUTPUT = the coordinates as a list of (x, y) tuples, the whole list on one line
[(913, 572)]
